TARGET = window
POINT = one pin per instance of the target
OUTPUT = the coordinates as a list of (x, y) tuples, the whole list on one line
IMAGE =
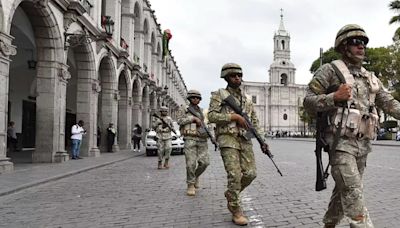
[(283, 79), (254, 99), (285, 116)]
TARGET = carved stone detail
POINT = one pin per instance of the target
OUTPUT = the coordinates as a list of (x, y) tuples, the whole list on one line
[(96, 86), (40, 3), (69, 18), (64, 74), (7, 49)]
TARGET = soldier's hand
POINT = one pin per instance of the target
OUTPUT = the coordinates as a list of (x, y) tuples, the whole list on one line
[(343, 93), (240, 121), (265, 150), (197, 121)]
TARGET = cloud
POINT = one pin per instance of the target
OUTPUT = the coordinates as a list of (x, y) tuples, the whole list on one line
[(209, 33)]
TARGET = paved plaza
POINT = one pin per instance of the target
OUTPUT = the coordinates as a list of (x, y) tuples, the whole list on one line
[(131, 192)]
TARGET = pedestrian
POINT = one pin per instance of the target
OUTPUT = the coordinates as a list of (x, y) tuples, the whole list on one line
[(231, 128), (12, 140), (195, 148), (349, 95), (77, 131), (163, 127), (111, 132), (136, 137)]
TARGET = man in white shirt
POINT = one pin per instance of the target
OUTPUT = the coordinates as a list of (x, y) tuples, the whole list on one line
[(77, 131)]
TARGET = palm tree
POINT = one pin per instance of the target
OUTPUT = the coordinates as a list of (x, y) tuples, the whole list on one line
[(395, 6)]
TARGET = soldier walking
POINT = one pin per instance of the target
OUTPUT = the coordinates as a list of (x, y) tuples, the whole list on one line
[(162, 128), (352, 118), (236, 148), (191, 122)]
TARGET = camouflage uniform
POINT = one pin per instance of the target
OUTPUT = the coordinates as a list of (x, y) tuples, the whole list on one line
[(164, 138), (236, 151), (196, 149), (349, 160)]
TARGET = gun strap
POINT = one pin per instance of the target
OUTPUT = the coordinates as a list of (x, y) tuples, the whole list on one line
[(342, 79)]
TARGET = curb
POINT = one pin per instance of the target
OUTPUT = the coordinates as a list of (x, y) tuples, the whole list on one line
[(374, 143), (64, 175)]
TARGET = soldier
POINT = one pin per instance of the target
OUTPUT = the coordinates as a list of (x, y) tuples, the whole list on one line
[(196, 149), (236, 149), (352, 119), (163, 137)]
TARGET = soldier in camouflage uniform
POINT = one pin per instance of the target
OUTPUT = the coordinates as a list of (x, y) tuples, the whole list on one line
[(163, 137), (236, 149), (196, 149), (353, 105)]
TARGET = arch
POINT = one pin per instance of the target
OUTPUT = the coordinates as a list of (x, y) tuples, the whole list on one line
[(107, 98), (137, 12), (136, 102), (283, 44), (145, 107), (147, 46), (50, 78), (285, 116), (123, 126)]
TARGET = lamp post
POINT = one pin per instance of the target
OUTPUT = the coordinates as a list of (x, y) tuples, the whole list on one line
[(108, 24)]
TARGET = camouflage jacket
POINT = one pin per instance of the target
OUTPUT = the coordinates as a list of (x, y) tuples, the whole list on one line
[(227, 132), (319, 98), (163, 132), (188, 128)]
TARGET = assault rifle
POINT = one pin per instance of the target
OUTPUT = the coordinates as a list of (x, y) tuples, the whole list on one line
[(321, 144), (231, 102), (165, 123), (203, 126)]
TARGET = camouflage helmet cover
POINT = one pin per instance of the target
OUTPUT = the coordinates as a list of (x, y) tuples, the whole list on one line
[(193, 93), (348, 31), (163, 109), (230, 68)]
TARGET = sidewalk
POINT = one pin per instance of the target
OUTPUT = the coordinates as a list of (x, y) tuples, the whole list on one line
[(27, 175)]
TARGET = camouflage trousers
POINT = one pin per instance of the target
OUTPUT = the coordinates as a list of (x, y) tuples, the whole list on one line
[(197, 159), (240, 167), (164, 149), (347, 198)]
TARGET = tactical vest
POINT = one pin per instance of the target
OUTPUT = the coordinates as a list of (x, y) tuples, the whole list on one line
[(232, 128), (356, 124), (191, 129)]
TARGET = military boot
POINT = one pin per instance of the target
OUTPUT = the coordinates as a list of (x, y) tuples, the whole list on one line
[(197, 183), (329, 226), (238, 218), (166, 164), (160, 165), (191, 191)]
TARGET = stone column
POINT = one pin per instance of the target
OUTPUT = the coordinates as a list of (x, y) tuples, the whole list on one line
[(136, 111), (6, 49), (124, 117), (63, 76), (94, 89)]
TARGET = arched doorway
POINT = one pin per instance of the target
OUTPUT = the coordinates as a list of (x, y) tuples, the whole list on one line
[(124, 113), (136, 105), (107, 101), (35, 99), (145, 107)]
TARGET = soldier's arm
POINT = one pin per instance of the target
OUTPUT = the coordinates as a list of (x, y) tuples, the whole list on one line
[(214, 110), (317, 98), (183, 117), (385, 101)]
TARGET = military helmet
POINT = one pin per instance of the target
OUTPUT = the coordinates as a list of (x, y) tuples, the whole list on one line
[(348, 31), (193, 93), (230, 68), (163, 109)]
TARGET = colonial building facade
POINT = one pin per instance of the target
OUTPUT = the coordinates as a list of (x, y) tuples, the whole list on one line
[(278, 102), (100, 61)]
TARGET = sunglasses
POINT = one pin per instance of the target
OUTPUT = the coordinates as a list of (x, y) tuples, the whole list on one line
[(195, 98), (356, 42), (235, 75)]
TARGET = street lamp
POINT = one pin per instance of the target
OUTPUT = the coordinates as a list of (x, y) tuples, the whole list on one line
[(108, 25)]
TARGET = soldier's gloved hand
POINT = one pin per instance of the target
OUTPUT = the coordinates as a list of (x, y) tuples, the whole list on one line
[(240, 121), (164, 125), (197, 121), (265, 150), (343, 93)]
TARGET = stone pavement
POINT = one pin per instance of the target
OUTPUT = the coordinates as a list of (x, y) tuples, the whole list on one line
[(133, 193)]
